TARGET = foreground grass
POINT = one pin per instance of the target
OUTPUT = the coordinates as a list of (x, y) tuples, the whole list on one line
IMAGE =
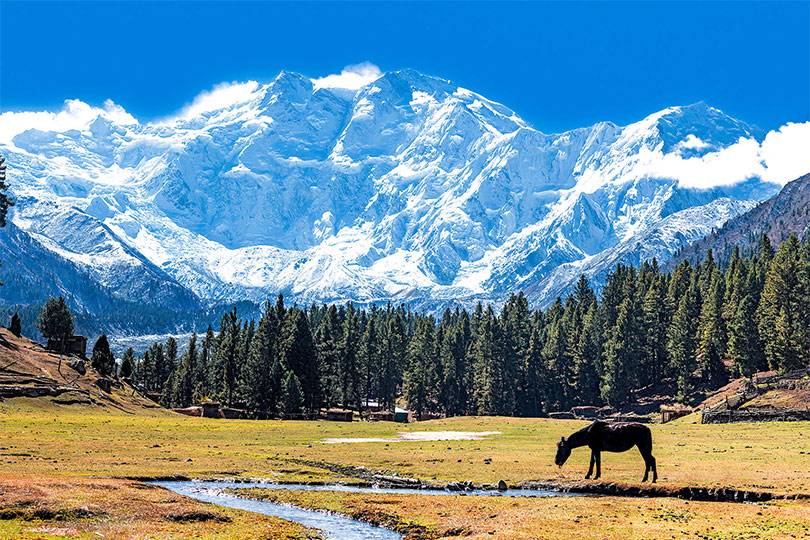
[(62, 462), (421, 517), (33, 507), (766, 457)]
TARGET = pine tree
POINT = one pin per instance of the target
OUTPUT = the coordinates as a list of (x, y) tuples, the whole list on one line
[(5, 199), (246, 333), (127, 364), (515, 332), (160, 372), (785, 308), (654, 361), (293, 397), (534, 396), (587, 358), (55, 320), (453, 356), (559, 362), (394, 347), (348, 369), (259, 387), (145, 372), (744, 344), (678, 286), (706, 273), (485, 357), (420, 377), (734, 281), (185, 376), (681, 340), (205, 379), (296, 353), (15, 327), (226, 359), (583, 293), (712, 333), (622, 354), (327, 344), (613, 295), (171, 354), (369, 355), (102, 358), (766, 252), (781, 344)]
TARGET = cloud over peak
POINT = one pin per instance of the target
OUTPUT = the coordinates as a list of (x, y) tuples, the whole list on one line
[(352, 77), (221, 96)]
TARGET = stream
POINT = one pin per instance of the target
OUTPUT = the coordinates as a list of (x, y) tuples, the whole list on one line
[(335, 527)]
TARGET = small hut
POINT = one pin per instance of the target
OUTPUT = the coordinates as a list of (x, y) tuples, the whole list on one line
[(72, 345), (671, 412), (401, 415), (232, 413), (210, 409), (585, 411), (339, 415), (189, 411), (381, 416)]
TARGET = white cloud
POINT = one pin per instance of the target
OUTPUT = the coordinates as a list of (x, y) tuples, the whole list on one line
[(74, 115), (117, 114), (692, 142), (783, 156), (221, 96), (352, 77), (786, 153)]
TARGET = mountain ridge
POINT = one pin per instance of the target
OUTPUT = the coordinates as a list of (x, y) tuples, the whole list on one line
[(786, 213), (407, 189)]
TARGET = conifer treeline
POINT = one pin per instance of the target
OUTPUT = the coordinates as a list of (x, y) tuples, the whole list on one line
[(646, 325)]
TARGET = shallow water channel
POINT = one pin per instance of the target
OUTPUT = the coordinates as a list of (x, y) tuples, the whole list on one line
[(334, 526)]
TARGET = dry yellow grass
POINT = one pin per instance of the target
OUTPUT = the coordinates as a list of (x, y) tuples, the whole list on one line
[(766, 457), (34, 507), (558, 518), (781, 399), (76, 447)]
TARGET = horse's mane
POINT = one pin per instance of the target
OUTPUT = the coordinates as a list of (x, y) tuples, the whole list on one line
[(578, 438)]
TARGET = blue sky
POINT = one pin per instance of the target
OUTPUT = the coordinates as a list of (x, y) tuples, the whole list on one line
[(558, 65)]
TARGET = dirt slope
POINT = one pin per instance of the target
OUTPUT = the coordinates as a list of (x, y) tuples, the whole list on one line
[(32, 378)]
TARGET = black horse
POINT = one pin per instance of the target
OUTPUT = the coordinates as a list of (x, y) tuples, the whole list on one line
[(603, 437)]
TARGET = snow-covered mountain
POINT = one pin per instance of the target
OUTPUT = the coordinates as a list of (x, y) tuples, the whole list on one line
[(406, 188)]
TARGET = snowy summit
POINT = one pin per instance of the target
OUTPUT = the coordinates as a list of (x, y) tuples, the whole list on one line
[(370, 187)]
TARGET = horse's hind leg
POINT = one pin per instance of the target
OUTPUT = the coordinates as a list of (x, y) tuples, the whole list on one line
[(646, 456), (649, 464)]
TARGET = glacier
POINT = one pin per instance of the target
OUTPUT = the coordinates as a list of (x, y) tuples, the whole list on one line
[(407, 188)]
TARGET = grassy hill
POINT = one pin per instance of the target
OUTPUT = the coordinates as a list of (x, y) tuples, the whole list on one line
[(34, 379)]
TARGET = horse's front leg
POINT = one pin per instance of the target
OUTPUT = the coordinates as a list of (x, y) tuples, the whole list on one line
[(597, 457), (590, 469)]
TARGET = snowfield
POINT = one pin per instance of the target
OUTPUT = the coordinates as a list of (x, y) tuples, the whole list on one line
[(406, 188)]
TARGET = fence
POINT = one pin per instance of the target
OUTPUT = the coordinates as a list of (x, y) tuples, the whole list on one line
[(728, 410), (755, 415)]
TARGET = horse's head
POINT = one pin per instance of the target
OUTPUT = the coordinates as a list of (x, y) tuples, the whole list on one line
[(563, 451)]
